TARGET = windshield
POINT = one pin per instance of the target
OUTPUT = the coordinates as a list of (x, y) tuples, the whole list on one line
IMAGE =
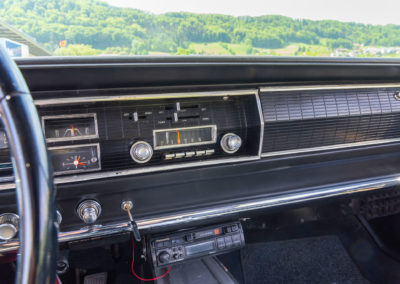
[(337, 28)]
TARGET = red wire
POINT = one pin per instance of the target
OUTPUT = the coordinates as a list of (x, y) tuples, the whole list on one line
[(137, 276)]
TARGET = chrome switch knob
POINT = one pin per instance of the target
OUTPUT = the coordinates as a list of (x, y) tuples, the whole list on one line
[(89, 211), (8, 226), (141, 152), (231, 143), (164, 257)]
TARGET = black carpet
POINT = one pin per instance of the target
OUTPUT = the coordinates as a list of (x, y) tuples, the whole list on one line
[(308, 260)]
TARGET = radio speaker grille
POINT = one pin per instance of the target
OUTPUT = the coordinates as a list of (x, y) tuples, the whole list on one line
[(308, 119)]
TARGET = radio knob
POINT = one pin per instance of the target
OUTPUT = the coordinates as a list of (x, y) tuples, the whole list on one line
[(89, 211), (8, 226), (141, 152), (231, 143), (164, 257)]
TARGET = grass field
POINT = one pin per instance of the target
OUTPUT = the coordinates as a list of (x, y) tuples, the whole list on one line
[(219, 48)]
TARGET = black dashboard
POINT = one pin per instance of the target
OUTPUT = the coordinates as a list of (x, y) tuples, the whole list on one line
[(201, 139)]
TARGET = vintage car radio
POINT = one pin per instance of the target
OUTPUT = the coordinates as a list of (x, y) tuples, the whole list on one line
[(169, 249)]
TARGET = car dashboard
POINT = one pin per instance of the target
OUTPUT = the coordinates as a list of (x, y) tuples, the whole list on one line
[(203, 140)]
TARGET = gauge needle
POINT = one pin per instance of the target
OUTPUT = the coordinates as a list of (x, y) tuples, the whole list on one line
[(73, 130), (77, 162), (179, 138)]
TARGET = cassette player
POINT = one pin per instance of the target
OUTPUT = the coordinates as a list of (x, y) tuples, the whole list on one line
[(177, 247)]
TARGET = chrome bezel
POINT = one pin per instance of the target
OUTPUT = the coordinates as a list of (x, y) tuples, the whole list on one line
[(87, 204), (97, 145), (326, 87), (223, 144), (133, 156), (71, 116), (212, 141)]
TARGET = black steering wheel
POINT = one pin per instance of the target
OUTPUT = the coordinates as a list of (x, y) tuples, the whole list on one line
[(36, 262)]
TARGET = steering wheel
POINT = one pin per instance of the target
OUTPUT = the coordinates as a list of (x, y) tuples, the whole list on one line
[(36, 261)]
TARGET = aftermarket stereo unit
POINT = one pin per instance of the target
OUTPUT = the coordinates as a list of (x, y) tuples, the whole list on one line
[(169, 249)]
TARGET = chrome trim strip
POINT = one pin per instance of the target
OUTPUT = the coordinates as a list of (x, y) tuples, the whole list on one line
[(88, 232), (261, 123), (78, 100), (92, 176), (330, 147), (212, 141), (67, 116), (187, 217), (327, 87), (272, 201)]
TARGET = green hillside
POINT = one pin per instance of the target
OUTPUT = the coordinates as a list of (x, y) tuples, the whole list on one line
[(94, 27)]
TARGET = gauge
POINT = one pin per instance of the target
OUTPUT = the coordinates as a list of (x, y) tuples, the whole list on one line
[(75, 159), (181, 137), (70, 127)]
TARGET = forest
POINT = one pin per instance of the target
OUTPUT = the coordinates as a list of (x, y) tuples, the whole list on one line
[(93, 27)]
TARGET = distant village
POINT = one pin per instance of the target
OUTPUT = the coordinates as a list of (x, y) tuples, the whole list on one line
[(367, 51)]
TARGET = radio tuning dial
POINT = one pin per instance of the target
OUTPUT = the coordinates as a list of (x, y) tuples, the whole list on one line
[(141, 152), (231, 143)]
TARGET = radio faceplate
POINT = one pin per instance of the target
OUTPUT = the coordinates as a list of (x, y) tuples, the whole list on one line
[(227, 125), (150, 133), (174, 248)]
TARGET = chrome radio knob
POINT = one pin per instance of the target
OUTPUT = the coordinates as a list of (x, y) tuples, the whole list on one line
[(8, 226), (231, 143), (89, 211), (141, 152), (164, 257)]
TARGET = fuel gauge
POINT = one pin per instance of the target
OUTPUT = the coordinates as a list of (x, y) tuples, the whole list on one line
[(75, 159), (70, 127)]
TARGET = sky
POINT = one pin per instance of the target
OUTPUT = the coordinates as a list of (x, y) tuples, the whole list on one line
[(362, 11)]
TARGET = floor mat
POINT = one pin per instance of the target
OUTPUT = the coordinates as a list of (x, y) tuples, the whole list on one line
[(308, 260)]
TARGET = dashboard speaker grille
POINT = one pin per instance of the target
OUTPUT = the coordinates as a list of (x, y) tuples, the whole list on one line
[(300, 120)]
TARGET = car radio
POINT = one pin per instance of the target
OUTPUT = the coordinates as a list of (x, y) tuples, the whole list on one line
[(173, 248)]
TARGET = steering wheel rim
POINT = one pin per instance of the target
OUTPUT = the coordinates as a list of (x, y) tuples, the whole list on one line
[(36, 262)]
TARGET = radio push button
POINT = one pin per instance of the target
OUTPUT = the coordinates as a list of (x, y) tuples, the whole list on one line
[(169, 156), (210, 152), (190, 154), (179, 155), (200, 153)]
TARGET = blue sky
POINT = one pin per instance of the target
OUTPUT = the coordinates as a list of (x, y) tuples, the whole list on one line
[(363, 11)]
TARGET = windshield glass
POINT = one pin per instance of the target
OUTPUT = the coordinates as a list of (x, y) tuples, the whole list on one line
[(337, 28)]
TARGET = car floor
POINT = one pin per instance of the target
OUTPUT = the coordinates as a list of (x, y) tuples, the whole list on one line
[(337, 250)]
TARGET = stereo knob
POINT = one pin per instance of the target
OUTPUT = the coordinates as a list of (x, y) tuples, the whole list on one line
[(164, 257), (231, 143), (89, 211), (141, 152), (8, 226)]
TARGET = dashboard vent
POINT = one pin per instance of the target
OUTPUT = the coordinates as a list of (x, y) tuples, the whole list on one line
[(301, 120)]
